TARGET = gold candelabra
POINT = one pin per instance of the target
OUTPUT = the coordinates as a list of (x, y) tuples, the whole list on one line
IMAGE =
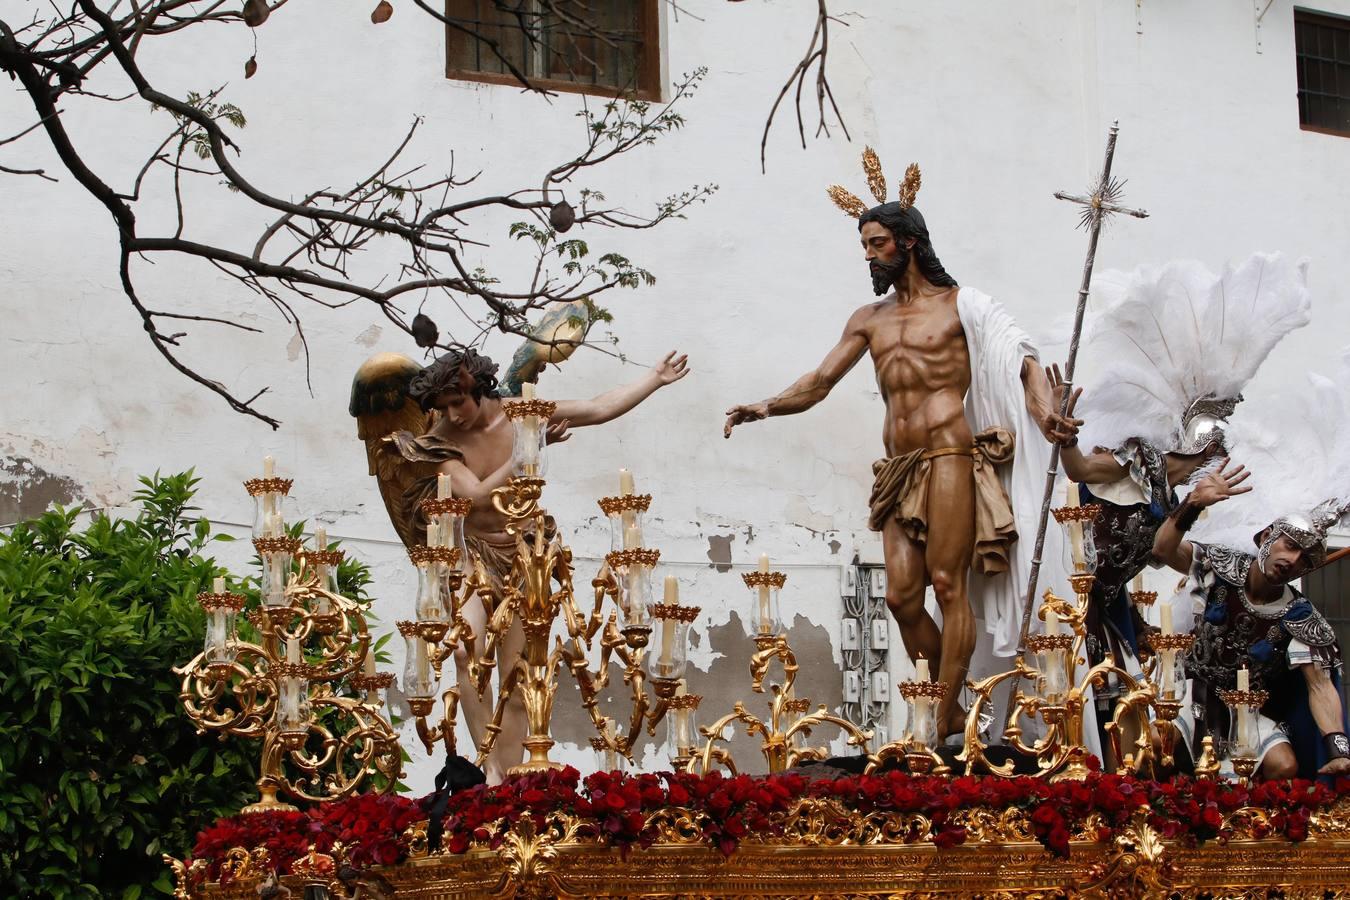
[(538, 592), (788, 715), (287, 686), (1060, 693)]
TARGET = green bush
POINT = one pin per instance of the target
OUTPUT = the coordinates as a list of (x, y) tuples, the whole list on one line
[(100, 769)]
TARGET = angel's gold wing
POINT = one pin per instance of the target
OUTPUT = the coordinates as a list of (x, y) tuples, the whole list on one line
[(381, 406)]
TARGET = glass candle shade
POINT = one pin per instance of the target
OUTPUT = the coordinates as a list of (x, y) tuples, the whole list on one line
[(221, 639), (276, 571), (1171, 674), (923, 721), (268, 518), (449, 529), (607, 759), (671, 659), (417, 678), (1089, 548), (1053, 681), (1244, 729), (765, 617), (293, 709), (528, 456), (625, 529), (682, 728), (635, 598), (431, 605)]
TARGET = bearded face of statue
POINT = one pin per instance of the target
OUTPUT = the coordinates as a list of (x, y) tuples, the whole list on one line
[(886, 257)]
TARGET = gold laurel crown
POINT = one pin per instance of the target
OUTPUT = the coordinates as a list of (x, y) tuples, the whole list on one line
[(876, 183)]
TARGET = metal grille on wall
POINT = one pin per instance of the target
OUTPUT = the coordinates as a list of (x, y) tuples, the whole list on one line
[(865, 645)]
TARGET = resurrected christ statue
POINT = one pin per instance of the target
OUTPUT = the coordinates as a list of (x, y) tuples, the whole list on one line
[(961, 383)]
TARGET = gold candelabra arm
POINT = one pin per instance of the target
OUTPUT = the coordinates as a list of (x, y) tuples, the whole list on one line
[(342, 760), (769, 650), (972, 753), (494, 727), (856, 737), (714, 733), (204, 688), (1136, 702), (443, 731), (605, 585), (480, 669)]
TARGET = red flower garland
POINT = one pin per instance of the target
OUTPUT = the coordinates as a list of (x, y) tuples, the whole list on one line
[(615, 809)]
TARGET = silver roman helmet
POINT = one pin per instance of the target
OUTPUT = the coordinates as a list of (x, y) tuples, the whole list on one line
[(1203, 423)]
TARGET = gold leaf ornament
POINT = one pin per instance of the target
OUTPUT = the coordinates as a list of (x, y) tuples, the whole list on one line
[(846, 201), (909, 188), (876, 181)]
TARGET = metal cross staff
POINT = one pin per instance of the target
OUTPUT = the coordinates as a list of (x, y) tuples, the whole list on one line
[(1101, 203)]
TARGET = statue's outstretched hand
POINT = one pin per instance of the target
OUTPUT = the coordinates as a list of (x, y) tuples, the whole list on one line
[(557, 432), (672, 368), (750, 412), (1220, 484), (1057, 428)]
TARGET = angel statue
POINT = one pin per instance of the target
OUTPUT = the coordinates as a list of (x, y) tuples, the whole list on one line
[(447, 418)]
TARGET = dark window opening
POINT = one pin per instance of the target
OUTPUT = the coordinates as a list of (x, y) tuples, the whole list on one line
[(1322, 53), (606, 47)]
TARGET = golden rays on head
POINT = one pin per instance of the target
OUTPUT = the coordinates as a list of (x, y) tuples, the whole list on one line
[(876, 183)]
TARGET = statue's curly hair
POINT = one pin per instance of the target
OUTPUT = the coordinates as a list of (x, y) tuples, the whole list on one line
[(444, 375)]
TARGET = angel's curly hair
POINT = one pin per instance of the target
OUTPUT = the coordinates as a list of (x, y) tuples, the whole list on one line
[(444, 375)]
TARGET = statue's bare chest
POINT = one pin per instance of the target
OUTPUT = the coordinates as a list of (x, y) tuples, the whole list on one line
[(930, 331)]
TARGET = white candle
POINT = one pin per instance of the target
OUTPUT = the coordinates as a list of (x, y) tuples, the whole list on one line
[(274, 526), (626, 483), (632, 537), (668, 626), (1243, 679), (527, 390), (368, 665), (269, 467), (765, 611), (921, 670), (293, 651), (1138, 584), (423, 664), (1051, 622), (444, 487), (684, 736), (219, 586), (321, 538), (1075, 527), (1165, 618)]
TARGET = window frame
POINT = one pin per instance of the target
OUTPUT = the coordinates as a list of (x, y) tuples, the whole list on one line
[(1316, 17), (649, 81)]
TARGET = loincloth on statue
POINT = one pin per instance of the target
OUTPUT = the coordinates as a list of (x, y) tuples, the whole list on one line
[(900, 491), (497, 556), (499, 553)]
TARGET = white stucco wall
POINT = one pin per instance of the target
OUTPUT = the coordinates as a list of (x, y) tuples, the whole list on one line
[(1000, 103)]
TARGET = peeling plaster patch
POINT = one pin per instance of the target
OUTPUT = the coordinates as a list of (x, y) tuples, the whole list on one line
[(371, 336), (719, 551), (834, 548), (294, 346), (799, 512), (27, 490)]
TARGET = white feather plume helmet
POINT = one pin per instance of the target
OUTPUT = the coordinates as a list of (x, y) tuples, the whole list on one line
[(1163, 337), (1299, 457)]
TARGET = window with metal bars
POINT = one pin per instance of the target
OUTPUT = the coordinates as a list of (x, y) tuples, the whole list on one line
[(606, 47), (1322, 51)]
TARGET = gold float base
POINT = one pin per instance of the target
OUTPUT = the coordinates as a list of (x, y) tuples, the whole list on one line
[(1004, 870)]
